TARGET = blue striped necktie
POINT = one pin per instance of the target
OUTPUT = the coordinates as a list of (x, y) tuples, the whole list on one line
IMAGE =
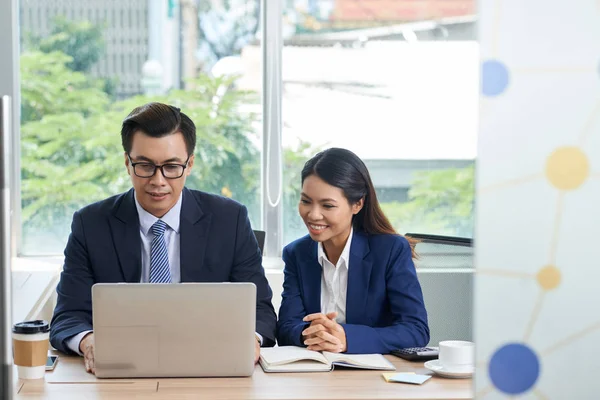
[(159, 257)]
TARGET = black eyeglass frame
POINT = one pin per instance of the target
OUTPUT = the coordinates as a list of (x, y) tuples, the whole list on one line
[(162, 171)]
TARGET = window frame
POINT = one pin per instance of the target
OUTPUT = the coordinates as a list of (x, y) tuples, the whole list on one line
[(10, 86)]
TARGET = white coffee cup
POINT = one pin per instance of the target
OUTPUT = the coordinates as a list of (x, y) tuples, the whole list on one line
[(30, 348), (457, 355)]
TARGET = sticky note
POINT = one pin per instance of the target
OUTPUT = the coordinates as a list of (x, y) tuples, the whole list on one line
[(388, 375), (406, 377)]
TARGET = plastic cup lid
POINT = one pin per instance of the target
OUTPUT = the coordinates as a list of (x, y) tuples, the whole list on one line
[(30, 327)]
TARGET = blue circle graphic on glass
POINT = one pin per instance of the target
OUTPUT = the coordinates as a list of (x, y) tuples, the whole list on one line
[(494, 78), (514, 368)]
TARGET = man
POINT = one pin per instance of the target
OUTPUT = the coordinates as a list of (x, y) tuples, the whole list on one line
[(157, 232)]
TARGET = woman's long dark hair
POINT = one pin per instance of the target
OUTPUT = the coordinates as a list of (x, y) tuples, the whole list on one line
[(345, 170)]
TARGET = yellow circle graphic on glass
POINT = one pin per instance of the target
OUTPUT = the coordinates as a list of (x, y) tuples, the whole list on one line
[(549, 277), (567, 168)]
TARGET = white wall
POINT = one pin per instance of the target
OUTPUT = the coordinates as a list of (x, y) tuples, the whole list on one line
[(538, 191)]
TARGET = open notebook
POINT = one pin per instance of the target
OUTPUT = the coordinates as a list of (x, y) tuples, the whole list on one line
[(300, 359)]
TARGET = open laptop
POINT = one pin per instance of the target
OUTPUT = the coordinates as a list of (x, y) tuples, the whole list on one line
[(174, 330)]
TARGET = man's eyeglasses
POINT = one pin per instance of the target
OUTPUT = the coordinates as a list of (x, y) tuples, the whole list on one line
[(147, 170)]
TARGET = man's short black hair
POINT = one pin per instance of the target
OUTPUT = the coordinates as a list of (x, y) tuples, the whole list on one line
[(158, 120)]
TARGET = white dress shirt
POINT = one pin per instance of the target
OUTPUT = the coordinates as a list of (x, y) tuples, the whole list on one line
[(172, 220), (171, 238), (334, 281)]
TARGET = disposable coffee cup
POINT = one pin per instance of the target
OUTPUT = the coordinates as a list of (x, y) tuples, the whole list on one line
[(30, 348)]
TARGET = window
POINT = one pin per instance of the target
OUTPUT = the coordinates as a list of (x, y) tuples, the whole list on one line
[(395, 82), (81, 77), (382, 79)]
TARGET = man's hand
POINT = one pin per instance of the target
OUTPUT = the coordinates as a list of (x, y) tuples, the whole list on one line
[(324, 333), (256, 350), (86, 346)]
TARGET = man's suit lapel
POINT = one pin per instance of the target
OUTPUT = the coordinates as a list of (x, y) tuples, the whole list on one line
[(359, 275), (193, 236), (125, 230), (311, 279)]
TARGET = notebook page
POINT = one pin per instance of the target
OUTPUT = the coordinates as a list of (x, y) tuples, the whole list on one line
[(289, 354), (367, 361), (298, 366)]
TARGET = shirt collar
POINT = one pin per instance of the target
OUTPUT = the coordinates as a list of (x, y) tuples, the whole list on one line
[(345, 253), (171, 218)]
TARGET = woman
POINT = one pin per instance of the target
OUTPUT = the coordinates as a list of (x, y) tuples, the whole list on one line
[(350, 285)]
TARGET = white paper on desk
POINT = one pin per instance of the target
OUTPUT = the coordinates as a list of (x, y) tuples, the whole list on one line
[(363, 361)]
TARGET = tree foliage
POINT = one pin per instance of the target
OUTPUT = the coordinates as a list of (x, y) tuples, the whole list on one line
[(440, 202), (71, 148), (49, 86), (81, 40)]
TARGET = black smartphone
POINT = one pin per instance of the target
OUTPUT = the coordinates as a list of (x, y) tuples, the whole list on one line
[(51, 362)]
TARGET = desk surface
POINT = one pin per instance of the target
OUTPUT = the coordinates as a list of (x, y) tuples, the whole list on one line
[(70, 381)]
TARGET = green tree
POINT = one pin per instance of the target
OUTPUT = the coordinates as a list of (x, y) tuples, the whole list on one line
[(49, 86), (440, 202), (71, 149), (81, 40), (57, 106)]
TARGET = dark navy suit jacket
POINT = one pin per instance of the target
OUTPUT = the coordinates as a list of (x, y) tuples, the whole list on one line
[(216, 245), (384, 302)]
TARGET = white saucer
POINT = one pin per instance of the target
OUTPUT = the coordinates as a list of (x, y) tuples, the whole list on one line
[(435, 366)]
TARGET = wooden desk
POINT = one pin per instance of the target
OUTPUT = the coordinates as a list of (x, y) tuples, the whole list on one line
[(70, 381)]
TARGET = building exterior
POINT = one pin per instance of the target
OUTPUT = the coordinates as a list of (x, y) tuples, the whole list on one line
[(129, 41), (375, 12)]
